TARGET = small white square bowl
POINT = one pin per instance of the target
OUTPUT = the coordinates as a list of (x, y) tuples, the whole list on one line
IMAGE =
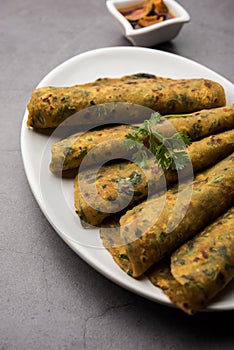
[(155, 33)]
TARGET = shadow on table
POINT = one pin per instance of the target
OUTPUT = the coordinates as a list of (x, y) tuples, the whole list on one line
[(212, 329)]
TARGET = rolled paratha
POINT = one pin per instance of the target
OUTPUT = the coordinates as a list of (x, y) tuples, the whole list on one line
[(50, 106), (154, 228), (114, 183), (198, 270), (68, 153)]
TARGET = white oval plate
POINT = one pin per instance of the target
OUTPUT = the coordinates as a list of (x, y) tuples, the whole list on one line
[(55, 196)]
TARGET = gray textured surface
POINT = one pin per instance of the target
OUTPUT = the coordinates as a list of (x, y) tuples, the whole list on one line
[(50, 298)]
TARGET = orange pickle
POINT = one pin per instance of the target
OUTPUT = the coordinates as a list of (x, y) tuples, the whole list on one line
[(146, 13)]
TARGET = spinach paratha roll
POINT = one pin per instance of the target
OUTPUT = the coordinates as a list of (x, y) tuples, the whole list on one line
[(154, 228), (115, 182), (68, 153), (50, 106), (205, 122), (201, 268)]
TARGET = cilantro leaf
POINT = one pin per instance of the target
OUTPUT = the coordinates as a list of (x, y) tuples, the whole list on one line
[(168, 151)]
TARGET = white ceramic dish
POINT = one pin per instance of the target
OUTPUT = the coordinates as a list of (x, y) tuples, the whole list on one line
[(55, 196), (154, 34)]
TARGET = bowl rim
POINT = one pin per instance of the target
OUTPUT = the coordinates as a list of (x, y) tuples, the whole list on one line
[(183, 17)]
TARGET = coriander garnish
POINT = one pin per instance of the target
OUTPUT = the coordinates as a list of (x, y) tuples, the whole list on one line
[(168, 151)]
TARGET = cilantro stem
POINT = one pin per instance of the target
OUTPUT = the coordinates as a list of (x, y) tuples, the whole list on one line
[(177, 115)]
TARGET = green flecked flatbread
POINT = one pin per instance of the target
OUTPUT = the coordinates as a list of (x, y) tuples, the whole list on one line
[(200, 268), (115, 182), (68, 153), (50, 106), (148, 233)]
